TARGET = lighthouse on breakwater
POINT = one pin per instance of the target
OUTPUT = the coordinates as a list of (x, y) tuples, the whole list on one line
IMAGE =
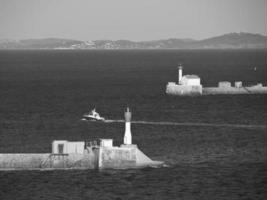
[(83, 155)]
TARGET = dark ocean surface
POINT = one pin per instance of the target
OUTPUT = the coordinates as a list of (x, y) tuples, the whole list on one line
[(43, 95)]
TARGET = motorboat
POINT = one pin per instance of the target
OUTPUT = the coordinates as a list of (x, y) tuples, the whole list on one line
[(93, 116)]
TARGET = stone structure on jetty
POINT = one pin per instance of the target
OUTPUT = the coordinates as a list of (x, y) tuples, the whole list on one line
[(225, 87), (190, 85), (187, 85), (83, 155)]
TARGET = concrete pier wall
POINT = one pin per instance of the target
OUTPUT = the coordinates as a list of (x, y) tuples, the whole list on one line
[(125, 156), (183, 90), (117, 157), (47, 161), (24, 161), (234, 90)]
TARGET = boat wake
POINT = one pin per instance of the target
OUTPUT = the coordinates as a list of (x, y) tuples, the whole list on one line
[(248, 126)]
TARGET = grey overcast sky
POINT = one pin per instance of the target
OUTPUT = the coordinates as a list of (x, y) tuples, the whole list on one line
[(130, 19)]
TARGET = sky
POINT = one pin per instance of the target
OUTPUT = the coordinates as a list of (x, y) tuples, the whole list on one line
[(136, 20)]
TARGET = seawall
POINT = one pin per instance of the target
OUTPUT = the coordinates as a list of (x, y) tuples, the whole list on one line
[(186, 90), (181, 90), (47, 161), (125, 156), (234, 90)]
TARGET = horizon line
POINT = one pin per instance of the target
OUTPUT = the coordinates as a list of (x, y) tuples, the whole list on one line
[(65, 38)]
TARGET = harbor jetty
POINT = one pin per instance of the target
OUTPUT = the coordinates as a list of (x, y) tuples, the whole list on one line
[(190, 85), (83, 155)]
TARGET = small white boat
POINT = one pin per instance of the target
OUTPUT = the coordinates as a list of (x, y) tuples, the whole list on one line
[(93, 116)]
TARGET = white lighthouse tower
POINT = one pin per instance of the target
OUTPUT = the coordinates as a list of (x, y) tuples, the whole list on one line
[(180, 74), (127, 135)]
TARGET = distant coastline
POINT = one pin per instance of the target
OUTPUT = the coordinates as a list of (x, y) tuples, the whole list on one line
[(227, 41)]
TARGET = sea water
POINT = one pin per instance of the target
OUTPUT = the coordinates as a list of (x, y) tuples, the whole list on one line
[(44, 94)]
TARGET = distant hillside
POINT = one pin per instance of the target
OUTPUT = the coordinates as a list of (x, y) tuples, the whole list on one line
[(48, 43), (235, 40), (231, 40)]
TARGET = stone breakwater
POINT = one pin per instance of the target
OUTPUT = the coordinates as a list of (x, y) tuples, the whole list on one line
[(84, 155), (46, 161), (234, 90), (181, 90), (125, 156), (190, 85)]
